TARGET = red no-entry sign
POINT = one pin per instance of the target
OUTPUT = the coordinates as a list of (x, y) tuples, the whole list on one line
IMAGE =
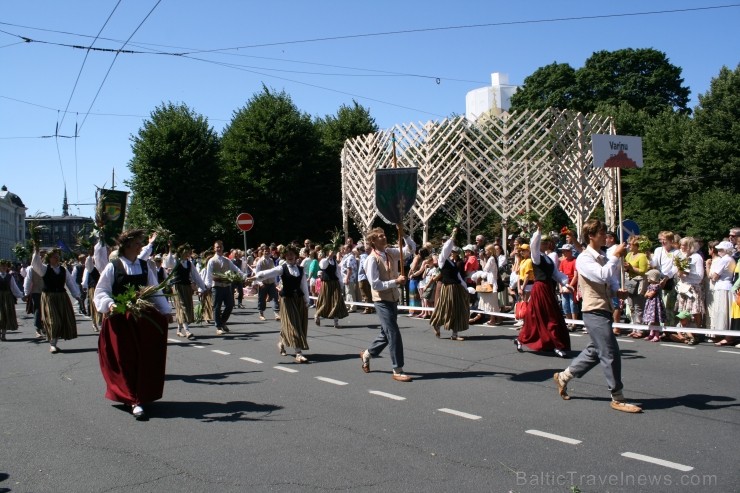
[(244, 221)]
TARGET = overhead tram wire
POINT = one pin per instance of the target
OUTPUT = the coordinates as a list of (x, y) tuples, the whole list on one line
[(114, 61), (354, 36), (87, 53)]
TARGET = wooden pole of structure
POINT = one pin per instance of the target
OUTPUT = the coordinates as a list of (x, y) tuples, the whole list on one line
[(399, 225)]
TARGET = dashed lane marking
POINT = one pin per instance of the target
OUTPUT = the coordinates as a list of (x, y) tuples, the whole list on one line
[(199, 347), (218, 351), (285, 369), (655, 460), (386, 394), (459, 413), (251, 360), (331, 380), (551, 436), (174, 340), (728, 352), (678, 346)]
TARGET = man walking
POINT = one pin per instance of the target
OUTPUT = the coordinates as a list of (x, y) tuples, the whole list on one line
[(598, 279), (381, 268), (222, 294)]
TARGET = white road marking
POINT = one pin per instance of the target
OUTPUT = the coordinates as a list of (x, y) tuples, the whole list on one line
[(285, 369), (654, 460), (559, 438), (252, 360), (459, 413), (386, 394), (174, 340), (728, 352), (218, 351), (331, 380), (199, 347), (621, 339), (576, 335), (678, 346)]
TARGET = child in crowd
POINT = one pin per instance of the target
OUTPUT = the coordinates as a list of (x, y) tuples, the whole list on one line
[(654, 313)]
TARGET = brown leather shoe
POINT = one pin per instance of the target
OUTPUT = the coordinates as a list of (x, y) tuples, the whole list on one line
[(562, 389), (625, 407), (401, 377), (365, 364)]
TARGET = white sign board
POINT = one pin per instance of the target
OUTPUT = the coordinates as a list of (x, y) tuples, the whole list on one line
[(616, 151)]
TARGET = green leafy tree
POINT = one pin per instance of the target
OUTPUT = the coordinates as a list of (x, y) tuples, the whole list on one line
[(334, 130), (642, 78), (716, 135), (175, 175), (549, 86), (270, 153)]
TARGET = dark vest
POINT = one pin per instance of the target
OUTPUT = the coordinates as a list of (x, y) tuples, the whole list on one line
[(5, 282), (291, 284), (450, 273), (121, 279), (543, 271), (93, 277), (180, 274), (330, 273), (54, 283), (79, 270)]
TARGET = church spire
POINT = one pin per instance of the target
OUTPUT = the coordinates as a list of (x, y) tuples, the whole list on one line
[(65, 206)]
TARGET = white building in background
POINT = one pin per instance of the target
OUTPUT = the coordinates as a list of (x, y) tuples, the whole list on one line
[(12, 223), (490, 100)]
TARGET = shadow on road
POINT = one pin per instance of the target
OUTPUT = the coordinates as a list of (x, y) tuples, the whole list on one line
[(451, 375), (326, 358), (210, 412), (3, 477), (209, 378), (535, 376)]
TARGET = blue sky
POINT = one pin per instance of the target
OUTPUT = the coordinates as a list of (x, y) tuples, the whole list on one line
[(394, 75)]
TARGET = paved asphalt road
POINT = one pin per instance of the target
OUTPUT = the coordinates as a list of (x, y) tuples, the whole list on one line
[(479, 416)]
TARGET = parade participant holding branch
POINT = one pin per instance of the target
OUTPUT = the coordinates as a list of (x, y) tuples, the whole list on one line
[(56, 310), (132, 347), (184, 275), (453, 307), (220, 285), (294, 305), (381, 268), (544, 326), (598, 278)]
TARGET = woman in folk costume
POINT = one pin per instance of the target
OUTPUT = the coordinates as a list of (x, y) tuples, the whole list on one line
[(544, 326), (89, 282), (294, 303), (453, 307), (132, 350), (206, 296), (9, 292), (56, 309), (330, 303), (184, 275)]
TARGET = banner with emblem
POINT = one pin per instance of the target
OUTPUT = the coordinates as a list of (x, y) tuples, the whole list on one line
[(110, 213)]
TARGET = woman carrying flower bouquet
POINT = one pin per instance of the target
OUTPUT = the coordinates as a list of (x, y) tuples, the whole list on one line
[(57, 314), (132, 347), (330, 303), (689, 289), (452, 310), (9, 292)]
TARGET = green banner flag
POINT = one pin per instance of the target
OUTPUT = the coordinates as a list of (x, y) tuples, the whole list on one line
[(395, 192), (110, 213)]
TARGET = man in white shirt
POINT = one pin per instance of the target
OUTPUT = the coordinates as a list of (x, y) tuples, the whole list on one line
[(598, 279)]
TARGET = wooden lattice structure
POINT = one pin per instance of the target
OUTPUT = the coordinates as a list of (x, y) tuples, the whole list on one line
[(519, 162)]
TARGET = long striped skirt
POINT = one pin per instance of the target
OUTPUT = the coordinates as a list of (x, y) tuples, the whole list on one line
[(294, 322), (58, 316), (207, 301), (184, 303), (94, 314), (414, 299), (8, 320), (330, 303), (452, 309)]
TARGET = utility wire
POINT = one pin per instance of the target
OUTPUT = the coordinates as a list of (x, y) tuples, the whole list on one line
[(114, 61), (87, 53)]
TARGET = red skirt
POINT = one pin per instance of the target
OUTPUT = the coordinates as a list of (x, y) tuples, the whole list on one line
[(544, 326), (132, 356)]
